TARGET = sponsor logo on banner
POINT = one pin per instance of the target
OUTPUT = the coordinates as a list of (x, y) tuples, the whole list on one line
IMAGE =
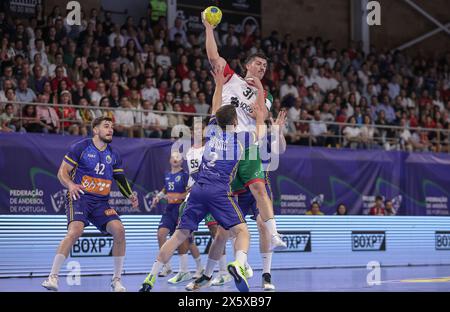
[(148, 200), (293, 203), (318, 199), (296, 241), (92, 245), (442, 239), (121, 204), (368, 240), (59, 200), (203, 241), (26, 201), (437, 205)]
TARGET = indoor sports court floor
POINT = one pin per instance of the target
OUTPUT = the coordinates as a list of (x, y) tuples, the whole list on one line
[(417, 278)]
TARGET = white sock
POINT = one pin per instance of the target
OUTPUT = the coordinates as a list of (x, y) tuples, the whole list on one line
[(118, 266), (267, 261), (210, 265), (198, 262), (223, 263), (184, 263), (271, 226), (156, 268), (57, 263), (241, 257)]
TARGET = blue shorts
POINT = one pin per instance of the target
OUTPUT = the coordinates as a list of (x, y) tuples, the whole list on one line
[(169, 219), (248, 203), (206, 198), (90, 210)]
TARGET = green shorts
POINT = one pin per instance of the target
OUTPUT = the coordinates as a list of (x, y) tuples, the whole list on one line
[(250, 170), (209, 219)]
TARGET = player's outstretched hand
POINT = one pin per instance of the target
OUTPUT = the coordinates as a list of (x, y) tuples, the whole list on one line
[(280, 121), (155, 201), (217, 73), (207, 25), (75, 190), (134, 200)]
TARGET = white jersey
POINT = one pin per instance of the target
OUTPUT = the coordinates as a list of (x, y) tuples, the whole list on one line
[(240, 94), (194, 159)]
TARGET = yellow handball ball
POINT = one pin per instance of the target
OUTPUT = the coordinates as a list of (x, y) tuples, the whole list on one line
[(213, 15)]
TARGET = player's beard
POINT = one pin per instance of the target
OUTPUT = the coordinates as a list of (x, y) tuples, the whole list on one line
[(105, 140)]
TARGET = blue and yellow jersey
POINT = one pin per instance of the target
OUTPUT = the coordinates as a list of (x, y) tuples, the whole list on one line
[(93, 168), (175, 185), (223, 151)]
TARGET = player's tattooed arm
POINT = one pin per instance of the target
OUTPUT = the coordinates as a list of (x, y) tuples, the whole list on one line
[(64, 177), (260, 98), (211, 46), (220, 80), (126, 190)]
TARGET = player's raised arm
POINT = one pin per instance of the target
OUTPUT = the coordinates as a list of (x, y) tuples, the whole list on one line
[(64, 177), (260, 113), (211, 46), (219, 78), (279, 145)]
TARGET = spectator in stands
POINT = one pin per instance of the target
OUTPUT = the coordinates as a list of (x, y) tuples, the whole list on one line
[(124, 123), (149, 121), (201, 107), (314, 210), (367, 133), (378, 209), (85, 116), (318, 130), (289, 88), (47, 115), (25, 94), (30, 120), (341, 210), (163, 128), (352, 134), (8, 120), (67, 115), (177, 29), (389, 208)]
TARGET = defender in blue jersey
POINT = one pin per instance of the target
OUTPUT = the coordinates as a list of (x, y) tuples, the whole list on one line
[(212, 191), (174, 191), (87, 171)]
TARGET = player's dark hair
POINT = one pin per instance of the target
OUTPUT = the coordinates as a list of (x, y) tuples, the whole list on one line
[(97, 121), (226, 116), (251, 57)]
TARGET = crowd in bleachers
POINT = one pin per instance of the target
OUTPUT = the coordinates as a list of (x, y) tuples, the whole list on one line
[(145, 65)]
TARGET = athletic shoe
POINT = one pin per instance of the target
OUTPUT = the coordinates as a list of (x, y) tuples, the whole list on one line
[(198, 273), (51, 283), (180, 277), (238, 273), (267, 282), (116, 285), (221, 279), (248, 270), (277, 243), (165, 271), (202, 282), (148, 283)]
